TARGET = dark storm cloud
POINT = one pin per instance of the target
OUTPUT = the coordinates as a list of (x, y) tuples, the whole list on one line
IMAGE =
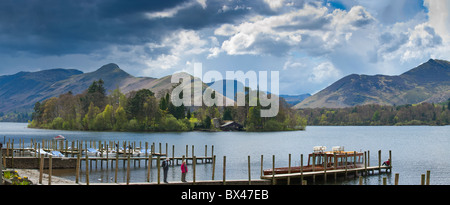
[(64, 27)]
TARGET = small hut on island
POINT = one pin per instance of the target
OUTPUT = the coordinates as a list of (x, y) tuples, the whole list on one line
[(231, 126)]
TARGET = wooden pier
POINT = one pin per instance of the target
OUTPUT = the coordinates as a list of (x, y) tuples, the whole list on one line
[(74, 158)]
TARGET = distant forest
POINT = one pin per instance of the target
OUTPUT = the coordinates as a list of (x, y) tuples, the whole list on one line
[(420, 114), (142, 111)]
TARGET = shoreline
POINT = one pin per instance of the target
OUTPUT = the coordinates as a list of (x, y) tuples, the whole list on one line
[(33, 176)]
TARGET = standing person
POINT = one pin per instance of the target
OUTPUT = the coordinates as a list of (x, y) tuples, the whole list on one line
[(165, 165), (184, 170)]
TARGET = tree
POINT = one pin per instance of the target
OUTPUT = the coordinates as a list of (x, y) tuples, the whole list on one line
[(207, 122), (121, 119), (227, 114), (136, 102)]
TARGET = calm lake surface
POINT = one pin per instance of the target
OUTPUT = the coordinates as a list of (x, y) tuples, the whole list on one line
[(415, 149)]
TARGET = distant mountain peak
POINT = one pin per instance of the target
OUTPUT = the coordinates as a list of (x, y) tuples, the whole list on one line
[(428, 82), (109, 67)]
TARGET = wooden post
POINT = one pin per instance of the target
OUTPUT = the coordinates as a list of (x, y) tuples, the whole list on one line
[(325, 168), (186, 152), (117, 165), (273, 169), (50, 170), (390, 161), (360, 180), (193, 172), (158, 160), (87, 168), (354, 161), (335, 166), (224, 168), (384, 181), (428, 177), (289, 171), (128, 170), (314, 166), (422, 179), (368, 160), (396, 178), (173, 155), (214, 166), (379, 161), (149, 167), (301, 169), (262, 172), (249, 172), (41, 168), (365, 163), (77, 169)]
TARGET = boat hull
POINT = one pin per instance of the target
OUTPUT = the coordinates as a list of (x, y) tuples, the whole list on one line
[(285, 170)]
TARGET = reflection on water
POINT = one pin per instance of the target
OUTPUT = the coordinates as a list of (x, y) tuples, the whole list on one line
[(415, 149)]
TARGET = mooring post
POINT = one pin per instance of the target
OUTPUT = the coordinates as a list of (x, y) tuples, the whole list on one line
[(50, 170), (158, 165), (249, 173), (87, 168), (173, 155), (289, 170), (214, 166), (117, 164), (396, 179), (390, 161), (301, 169), (128, 170), (224, 169), (325, 168), (77, 169), (422, 179), (379, 161), (428, 177), (273, 169), (365, 163), (193, 164), (41, 168), (354, 162), (149, 161)]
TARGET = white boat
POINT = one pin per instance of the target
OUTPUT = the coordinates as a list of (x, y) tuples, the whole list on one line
[(57, 154), (109, 153), (91, 152), (59, 137), (40, 152)]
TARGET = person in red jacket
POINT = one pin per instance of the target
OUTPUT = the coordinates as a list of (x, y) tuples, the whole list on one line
[(184, 170), (387, 163)]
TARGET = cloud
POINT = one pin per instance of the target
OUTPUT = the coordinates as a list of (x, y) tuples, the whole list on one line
[(439, 17), (313, 29)]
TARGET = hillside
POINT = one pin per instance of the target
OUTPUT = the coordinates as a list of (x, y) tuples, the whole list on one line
[(429, 82), (19, 92)]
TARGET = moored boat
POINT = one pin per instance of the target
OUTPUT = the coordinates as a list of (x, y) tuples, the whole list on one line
[(320, 160)]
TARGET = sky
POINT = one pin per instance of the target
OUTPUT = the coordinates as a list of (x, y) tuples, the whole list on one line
[(311, 43)]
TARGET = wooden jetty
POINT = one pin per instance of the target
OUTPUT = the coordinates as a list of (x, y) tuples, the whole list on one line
[(15, 158)]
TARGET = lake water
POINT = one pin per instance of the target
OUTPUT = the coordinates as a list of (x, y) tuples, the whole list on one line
[(415, 149)]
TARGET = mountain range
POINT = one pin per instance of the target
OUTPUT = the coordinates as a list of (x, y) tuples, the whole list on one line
[(429, 82), (19, 92)]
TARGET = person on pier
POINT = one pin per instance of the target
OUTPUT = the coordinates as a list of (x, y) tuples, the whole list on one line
[(184, 170), (165, 166)]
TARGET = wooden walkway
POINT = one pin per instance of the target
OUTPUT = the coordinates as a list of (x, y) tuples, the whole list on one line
[(325, 173)]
